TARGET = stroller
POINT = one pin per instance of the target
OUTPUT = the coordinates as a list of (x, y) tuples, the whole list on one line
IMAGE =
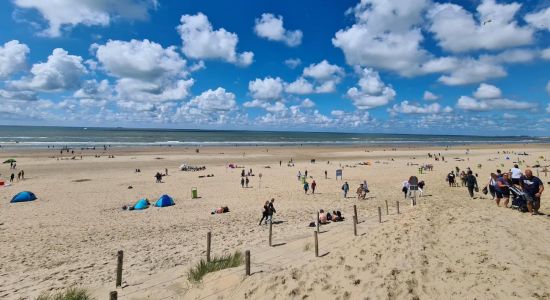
[(519, 199)]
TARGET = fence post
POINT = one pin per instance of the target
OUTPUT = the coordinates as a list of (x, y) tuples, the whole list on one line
[(318, 222), (113, 295), (270, 231), (397, 205), (208, 242), (379, 214), (120, 257), (387, 209), (355, 225), (247, 261), (355, 212), (316, 243)]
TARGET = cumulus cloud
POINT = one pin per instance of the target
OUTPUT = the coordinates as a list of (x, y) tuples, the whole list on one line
[(268, 88), (61, 71), (293, 63), (487, 91), (13, 57), (325, 74), (472, 71), (307, 103), (300, 86), (145, 70), (540, 19), (385, 35), (469, 103), (472, 104), (201, 41), (457, 30), (271, 27), (406, 107), (70, 13), (429, 96), (277, 106), (371, 91), (545, 54), (215, 100), (94, 90)]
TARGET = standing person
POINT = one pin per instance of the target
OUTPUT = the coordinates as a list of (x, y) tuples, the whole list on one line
[(326, 174), (516, 174), (158, 176), (471, 183), (421, 185), (451, 179), (265, 213), (360, 192), (313, 186), (305, 173), (533, 188), (504, 183), (498, 192), (12, 177), (405, 188), (242, 182), (246, 181), (22, 175), (19, 176), (280, 163), (365, 189), (306, 186), (345, 188), (166, 171), (299, 175), (271, 210)]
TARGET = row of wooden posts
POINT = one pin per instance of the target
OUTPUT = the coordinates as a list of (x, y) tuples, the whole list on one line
[(120, 255)]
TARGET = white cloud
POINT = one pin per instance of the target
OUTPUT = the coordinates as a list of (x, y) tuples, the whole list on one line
[(429, 96), (487, 91), (266, 89), (548, 108), (457, 30), (508, 116), (271, 27), (61, 13), (468, 103), (17, 95), (301, 86), (293, 63), (13, 57), (61, 71), (471, 104), (146, 70), (548, 87), (91, 89), (307, 103), (277, 106), (472, 71), (545, 54), (143, 60), (201, 41), (408, 108), (386, 35), (215, 100), (540, 19), (325, 74), (372, 92)]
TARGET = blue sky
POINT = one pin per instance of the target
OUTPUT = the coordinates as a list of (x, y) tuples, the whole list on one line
[(403, 66)]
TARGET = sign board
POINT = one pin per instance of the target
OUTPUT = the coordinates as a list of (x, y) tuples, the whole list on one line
[(339, 173)]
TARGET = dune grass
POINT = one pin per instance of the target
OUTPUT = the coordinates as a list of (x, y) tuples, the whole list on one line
[(72, 293), (215, 264)]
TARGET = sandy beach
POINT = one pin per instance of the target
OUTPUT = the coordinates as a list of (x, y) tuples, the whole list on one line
[(446, 247)]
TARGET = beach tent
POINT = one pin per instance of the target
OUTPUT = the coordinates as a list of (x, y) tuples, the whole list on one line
[(164, 200), (23, 197), (141, 204)]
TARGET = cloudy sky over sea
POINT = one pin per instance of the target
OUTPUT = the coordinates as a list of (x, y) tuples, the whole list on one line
[(402, 66)]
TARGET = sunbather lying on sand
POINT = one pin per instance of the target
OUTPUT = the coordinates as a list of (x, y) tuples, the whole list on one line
[(220, 210)]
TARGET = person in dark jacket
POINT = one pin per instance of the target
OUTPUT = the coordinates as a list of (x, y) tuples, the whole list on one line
[(471, 183), (265, 213)]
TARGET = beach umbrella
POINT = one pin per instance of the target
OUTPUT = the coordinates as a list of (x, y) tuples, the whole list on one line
[(11, 160)]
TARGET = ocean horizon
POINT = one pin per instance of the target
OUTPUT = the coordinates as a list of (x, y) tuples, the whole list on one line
[(44, 136)]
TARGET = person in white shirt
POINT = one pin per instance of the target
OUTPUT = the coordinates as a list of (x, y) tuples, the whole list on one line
[(516, 174)]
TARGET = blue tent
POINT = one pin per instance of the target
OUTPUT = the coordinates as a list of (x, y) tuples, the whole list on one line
[(164, 200), (23, 197), (141, 204)]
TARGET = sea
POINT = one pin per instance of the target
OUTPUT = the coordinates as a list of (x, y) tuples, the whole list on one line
[(85, 137)]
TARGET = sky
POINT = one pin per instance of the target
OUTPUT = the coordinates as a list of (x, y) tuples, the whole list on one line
[(400, 66)]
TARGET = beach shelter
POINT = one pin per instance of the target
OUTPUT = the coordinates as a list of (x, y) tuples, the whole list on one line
[(11, 160), (141, 204), (164, 200), (23, 197)]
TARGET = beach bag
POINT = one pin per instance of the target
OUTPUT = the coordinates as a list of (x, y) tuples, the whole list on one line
[(476, 189), (404, 189), (485, 191)]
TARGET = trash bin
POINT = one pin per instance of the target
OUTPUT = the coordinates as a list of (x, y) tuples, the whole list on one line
[(194, 193)]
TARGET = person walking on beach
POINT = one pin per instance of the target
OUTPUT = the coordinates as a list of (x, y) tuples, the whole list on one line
[(299, 175), (532, 187), (516, 174), (246, 181), (345, 188), (242, 182), (313, 186), (158, 176), (471, 183), (12, 177), (405, 188), (306, 187), (326, 174), (265, 213), (271, 210), (22, 175)]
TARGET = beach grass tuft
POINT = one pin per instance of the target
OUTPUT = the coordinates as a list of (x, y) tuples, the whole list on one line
[(72, 293), (217, 263)]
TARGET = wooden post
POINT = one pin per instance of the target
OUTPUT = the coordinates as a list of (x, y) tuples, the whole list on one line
[(316, 243), (387, 209), (208, 243), (247, 261), (270, 231), (355, 211), (397, 205), (318, 222), (113, 295), (119, 268), (355, 225), (379, 214)]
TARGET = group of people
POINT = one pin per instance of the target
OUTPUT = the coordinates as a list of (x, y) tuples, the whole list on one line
[(407, 187), (327, 217), (268, 211), (362, 190)]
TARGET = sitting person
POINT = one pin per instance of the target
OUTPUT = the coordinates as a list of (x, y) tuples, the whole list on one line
[(323, 217), (132, 207), (337, 216), (220, 210)]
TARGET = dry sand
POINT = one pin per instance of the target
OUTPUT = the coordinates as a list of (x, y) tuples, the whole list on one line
[(447, 247)]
